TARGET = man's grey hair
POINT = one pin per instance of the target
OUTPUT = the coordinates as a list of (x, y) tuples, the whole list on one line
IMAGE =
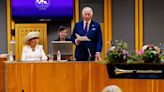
[(112, 88), (89, 9)]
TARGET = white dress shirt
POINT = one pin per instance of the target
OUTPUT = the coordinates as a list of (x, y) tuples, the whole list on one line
[(37, 55)]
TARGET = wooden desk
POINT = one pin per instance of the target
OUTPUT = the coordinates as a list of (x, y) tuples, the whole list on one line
[(70, 77), (2, 74)]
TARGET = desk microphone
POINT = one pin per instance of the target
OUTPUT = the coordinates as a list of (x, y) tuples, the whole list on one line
[(89, 52)]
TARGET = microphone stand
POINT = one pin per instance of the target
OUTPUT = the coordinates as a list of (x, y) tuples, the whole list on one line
[(90, 56)]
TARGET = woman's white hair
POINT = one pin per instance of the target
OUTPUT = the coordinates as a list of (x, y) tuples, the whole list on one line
[(112, 88), (87, 9)]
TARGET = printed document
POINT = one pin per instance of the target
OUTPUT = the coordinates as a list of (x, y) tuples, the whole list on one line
[(82, 38)]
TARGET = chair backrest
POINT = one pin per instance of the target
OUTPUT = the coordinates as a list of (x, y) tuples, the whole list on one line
[(22, 30)]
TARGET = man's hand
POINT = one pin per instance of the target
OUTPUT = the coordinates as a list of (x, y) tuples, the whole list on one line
[(77, 41), (97, 56)]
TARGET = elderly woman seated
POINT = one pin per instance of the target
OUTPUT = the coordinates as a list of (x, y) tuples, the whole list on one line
[(112, 88), (33, 51)]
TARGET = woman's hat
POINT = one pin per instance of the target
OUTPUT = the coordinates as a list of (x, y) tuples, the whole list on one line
[(31, 35)]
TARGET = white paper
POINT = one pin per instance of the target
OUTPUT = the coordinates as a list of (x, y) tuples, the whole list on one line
[(82, 38)]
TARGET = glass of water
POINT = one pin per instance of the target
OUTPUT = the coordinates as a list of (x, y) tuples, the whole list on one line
[(50, 57)]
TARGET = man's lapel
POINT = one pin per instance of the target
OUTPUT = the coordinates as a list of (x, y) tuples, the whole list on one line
[(81, 28), (91, 27)]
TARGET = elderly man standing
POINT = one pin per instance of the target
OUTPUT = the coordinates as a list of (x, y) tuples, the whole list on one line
[(87, 50)]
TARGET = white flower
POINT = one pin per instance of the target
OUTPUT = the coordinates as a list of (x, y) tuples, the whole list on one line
[(157, 49), (153, 52), (112, 48), (144, 47)]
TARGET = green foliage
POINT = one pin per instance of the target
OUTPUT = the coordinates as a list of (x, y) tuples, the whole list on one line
[(134, 58)]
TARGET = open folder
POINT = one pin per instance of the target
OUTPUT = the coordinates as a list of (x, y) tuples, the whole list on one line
[(82, 38)]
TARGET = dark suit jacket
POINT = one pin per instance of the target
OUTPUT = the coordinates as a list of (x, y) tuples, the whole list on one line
[(95, 45)]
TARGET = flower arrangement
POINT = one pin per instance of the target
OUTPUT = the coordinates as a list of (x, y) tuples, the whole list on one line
[(148, 54), (117, 53), (151, 54)]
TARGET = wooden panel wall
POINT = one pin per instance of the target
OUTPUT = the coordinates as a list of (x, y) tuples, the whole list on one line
[(70, 77)]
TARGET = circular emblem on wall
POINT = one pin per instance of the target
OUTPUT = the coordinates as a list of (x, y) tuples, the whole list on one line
[(42, 4)]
